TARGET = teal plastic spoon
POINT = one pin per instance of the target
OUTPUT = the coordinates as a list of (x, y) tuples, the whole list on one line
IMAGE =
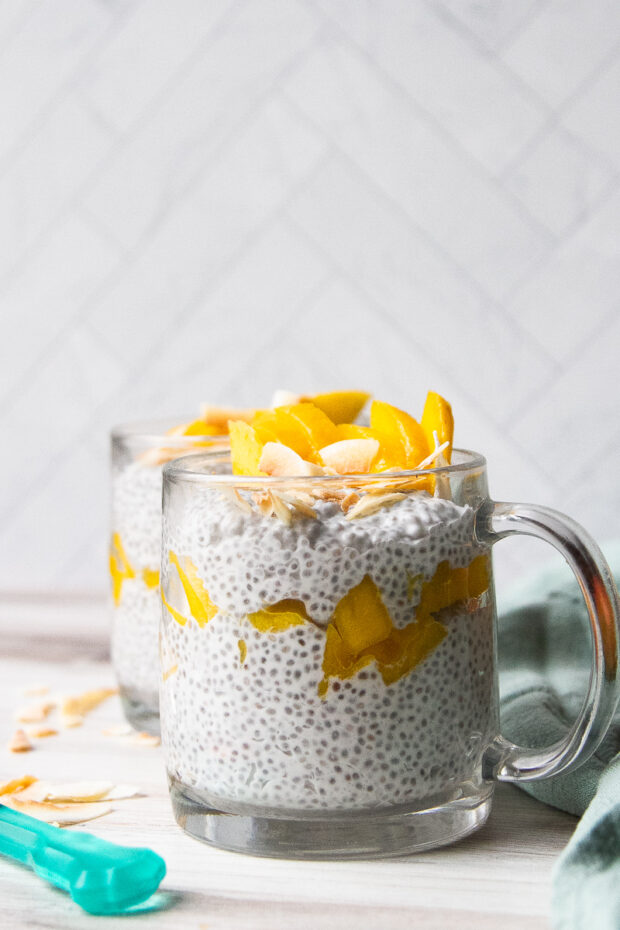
[(101, 877)]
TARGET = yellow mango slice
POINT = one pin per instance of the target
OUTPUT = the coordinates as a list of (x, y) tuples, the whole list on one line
[(353, 431), (120, 568), (338, 660), (341, 406), (279, 616), (352, 636), (195, 428), (437, 593), (265, 426), (437, 418), (478, 576), (395, 656), (245, 448), (305, 429), (200, 428), (150, 576), (459, 585), (361, 618), (200, 604), (406, 648), (395, 424)]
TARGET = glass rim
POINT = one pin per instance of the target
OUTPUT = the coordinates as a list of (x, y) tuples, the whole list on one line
[(184, 469), (153, 432)]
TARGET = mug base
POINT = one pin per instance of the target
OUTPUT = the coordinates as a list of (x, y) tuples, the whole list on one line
[(141, 713), (363, 834)]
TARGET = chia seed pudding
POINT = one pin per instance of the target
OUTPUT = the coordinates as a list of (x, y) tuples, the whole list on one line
[(138, 453), (260, 718), (136, 524)]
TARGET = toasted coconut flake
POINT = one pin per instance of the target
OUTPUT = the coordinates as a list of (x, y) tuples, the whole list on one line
[(41, 732), (19, 742), (233, 495), (280, 461), (34, 713), (120, 729), (280, 509), (17, 785), (264, 504), (349, 501), (123, 792), (82, 704), (146, 739), (300, 504), (437, 453), (35, 690), (159, 456), (69, 721), (78, 792), (328, 493), (63, 815), (350, 456), (442, 482), (219, 416), (371, 503)]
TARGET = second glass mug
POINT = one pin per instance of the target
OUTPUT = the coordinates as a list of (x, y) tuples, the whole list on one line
[(138, 451), (328, 650)]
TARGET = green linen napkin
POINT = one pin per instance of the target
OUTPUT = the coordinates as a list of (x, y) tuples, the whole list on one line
[(544, 662)]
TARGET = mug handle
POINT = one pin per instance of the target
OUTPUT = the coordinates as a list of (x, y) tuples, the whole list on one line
[(503, 760)]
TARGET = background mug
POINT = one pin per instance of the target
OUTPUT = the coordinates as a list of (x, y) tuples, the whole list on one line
[(328, 656), (138, 451)]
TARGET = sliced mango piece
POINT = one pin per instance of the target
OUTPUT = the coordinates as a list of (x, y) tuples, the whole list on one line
[(398, 425), (265, 426), (338, 660), (395, 656), (341, 406), (307, 428), (245, 448), (437, 593), (200, 428), (361, 618), (406, 648), (200, 604), (353, 431), (150, 577), (459, 585), (120, 567), (361, 630), (478, 576), (437, 418), (279, 616)]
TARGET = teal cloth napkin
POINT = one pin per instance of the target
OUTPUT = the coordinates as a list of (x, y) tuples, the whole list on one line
[(544, 661)]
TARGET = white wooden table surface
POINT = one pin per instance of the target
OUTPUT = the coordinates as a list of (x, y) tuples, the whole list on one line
[(499, 877)]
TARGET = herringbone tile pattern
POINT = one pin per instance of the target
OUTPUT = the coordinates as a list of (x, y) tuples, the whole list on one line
[(211, 200)]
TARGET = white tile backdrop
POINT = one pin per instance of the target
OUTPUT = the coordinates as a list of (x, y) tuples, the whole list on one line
[(208, 199)]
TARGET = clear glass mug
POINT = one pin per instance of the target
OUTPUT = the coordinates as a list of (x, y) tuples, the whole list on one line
[(328, 649), (138, 452)]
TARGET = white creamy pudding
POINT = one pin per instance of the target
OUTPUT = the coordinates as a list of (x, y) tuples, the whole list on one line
[(326, 663)]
